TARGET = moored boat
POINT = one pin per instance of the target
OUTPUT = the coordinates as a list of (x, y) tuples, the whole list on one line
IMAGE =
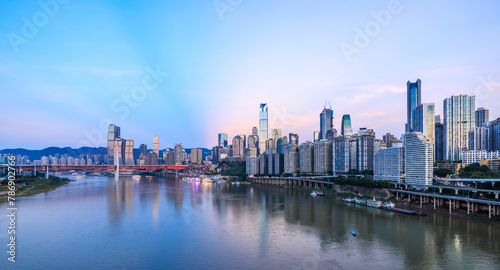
[(350, 200), (317, 193), (374, 204)]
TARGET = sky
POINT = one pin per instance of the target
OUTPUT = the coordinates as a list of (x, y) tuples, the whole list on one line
[(186, 70)]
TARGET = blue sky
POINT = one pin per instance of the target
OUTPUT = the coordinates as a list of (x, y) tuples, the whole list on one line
[(220, 59)]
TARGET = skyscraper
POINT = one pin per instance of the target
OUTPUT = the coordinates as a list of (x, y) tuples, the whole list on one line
[(482, 116), (255, 131), (238, 148), (365, 149), (439, 141), (419, 159), (143, 149), (178, 154), (326, 122), (346, 129), (222, 140), (276, 134), (413, 97), (323, 156), (129, 152), (244, 137), (459, 122), (113, 134), (306, 157), (341, 154), (156, 145), (423, 120), (293, 139), (316, 136), (263, 126)]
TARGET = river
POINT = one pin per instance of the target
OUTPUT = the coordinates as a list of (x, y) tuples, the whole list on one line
[(155, 223)]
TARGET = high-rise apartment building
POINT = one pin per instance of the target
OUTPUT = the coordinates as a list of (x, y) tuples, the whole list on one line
[(129, 152), (341, 154), (388, 163), (459, 123), (178, 154), (291, 158), (306, 157), (413, 97), (244, 137), (156, 145), (263, 126), (365, 149), (143, 149), (346, 129), (419, 159), (238, 149), (482, 116), (323, 156), (196, 155)]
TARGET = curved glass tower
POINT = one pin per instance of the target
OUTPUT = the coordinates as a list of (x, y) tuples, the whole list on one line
[(346, 125)]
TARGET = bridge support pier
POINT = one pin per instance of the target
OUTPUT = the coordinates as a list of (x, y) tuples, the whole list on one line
[(450, 205), (47, 172), (489, 210), (434, 202), (420, 201)]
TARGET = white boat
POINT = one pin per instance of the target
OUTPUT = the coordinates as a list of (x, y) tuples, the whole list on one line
[(317, 193), (350, 200), (374, 204)]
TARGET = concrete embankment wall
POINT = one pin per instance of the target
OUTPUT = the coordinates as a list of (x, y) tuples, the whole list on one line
[(362, 191)]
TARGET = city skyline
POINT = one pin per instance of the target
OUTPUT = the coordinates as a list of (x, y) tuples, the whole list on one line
[(67, 77)]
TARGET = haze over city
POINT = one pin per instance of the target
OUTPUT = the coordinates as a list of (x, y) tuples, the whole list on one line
[(69, 77)]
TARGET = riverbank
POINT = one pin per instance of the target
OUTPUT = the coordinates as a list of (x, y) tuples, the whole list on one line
[(33, 185), (365, 193)]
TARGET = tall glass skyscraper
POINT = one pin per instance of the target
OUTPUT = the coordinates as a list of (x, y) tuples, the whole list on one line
[(459, 122), (414, 98), (263, 127), (326, 122), (113, 134), (129, 152), (223, 140), (424, 119), (346, 129)]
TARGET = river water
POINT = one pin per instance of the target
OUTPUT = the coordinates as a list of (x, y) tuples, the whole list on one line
[(155, 223)]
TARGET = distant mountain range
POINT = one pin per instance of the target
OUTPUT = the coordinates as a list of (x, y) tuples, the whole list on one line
[(75, 152)]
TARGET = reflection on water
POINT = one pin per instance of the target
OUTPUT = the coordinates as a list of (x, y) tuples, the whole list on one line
[(171, 224)]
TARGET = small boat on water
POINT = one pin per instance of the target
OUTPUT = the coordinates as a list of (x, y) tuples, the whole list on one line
[(353, 233), (404, 211), (350, 200), (374, 204), (317, 193), (388, 204), (360, 202)]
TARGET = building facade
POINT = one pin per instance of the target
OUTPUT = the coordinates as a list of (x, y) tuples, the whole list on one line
[(459, 123), (389, 164), (419, 159)]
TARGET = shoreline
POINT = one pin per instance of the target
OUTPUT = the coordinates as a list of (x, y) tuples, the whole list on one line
[(35, 187), (476, 217)]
